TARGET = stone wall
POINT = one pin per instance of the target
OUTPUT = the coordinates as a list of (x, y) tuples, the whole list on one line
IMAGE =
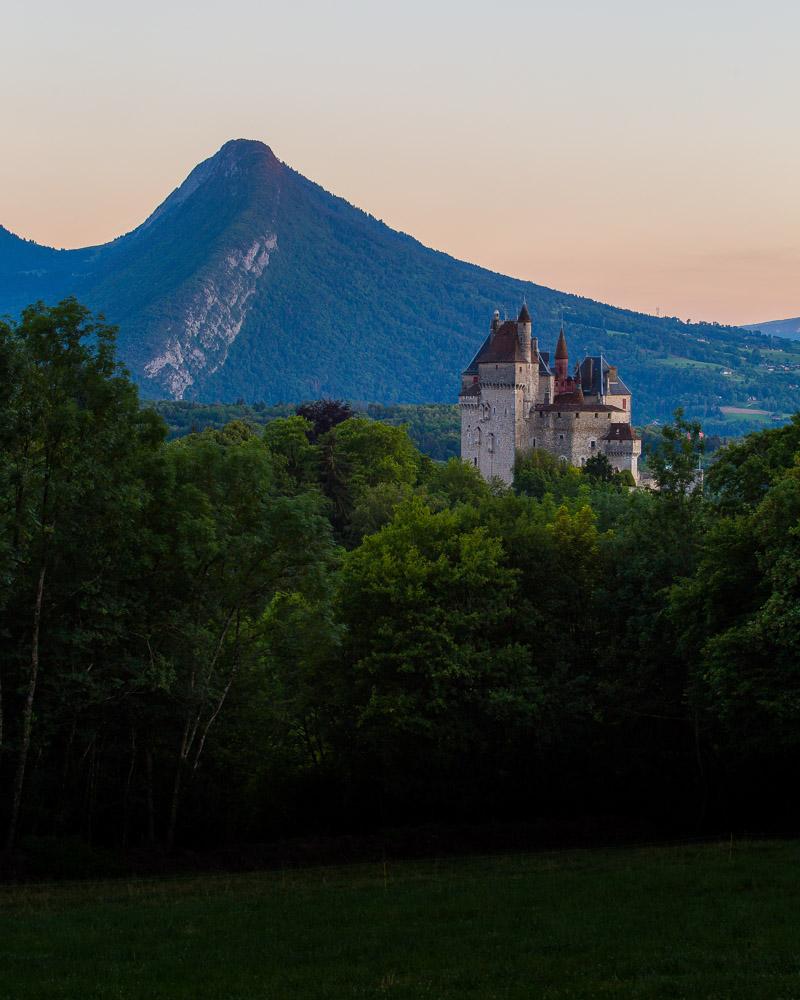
[(493, 424), (574, 435)]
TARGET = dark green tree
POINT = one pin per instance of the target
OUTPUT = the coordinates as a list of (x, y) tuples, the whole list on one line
[(70, 444), (676, 459), (324, 415)]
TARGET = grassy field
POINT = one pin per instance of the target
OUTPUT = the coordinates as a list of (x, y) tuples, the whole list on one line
[(758, 418), (714, 921), (674, 362), (745, 411)]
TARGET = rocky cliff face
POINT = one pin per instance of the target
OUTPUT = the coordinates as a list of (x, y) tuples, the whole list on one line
[(197, 341)]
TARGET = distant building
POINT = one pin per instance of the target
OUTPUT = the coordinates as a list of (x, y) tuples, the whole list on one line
[(512, 399)]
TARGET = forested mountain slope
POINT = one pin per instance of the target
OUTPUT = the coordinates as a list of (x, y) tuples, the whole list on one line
[(779, 327)]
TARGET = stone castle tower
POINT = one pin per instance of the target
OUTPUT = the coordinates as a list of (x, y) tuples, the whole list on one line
[(512, 400)]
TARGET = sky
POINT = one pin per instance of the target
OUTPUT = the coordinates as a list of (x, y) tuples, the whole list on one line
[(645, 153)]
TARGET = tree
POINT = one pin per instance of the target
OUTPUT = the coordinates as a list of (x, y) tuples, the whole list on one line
[(454, 482), (599, 469), (224, 543), (675, 461), (71, 439), (537, 473), (367, 468), (739, 612), (324, 415), (295, 459), (425, 603), (744, 470)]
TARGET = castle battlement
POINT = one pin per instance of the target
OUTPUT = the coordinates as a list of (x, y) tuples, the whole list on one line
[(511, 399)]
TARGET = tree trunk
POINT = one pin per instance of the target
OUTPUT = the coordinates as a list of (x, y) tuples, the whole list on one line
[(176, 787), (91, 792), (126, 796), (151, 810), (27, 715), (191, 727), (63, 794)]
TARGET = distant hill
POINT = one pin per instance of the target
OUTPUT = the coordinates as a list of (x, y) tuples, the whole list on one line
[(779, 327), (251, 282)]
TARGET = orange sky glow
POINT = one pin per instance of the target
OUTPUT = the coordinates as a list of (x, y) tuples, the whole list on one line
[(642, 154)]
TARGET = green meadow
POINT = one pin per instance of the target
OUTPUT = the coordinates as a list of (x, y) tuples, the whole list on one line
[(715, 921), (677, 362)]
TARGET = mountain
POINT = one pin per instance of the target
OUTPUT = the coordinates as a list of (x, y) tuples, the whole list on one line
[(252, 282), (779, 327)]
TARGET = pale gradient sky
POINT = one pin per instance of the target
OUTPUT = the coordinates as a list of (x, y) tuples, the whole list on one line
[(643, 153)]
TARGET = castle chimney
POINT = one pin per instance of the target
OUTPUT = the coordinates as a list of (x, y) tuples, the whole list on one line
[(495, 324), (612, 373)]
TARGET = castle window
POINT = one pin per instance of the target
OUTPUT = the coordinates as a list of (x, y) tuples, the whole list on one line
[(490, 446), (558, 414), (494, 411), (541, 414), (609, 416), (534, 442), (595, 416), (560, 437), (592, 444), (624, 403), (474, 461), (577, 415)]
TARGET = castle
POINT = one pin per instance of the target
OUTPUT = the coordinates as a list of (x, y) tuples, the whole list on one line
[(512, 399)]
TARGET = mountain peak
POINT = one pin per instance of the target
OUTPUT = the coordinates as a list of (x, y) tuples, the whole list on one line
[(242, 147), (248, 158), (244, 154)]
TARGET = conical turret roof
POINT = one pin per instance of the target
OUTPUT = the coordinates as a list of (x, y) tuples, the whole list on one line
[(561, 347), (524, 315)]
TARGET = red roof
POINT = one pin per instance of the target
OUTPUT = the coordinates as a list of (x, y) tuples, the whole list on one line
[(620, 432), (503, 348), (569, 397)]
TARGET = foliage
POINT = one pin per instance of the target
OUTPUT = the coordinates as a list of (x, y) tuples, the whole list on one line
[(537, 473), (676, 461), (256, 629), (324, 415), (435, 428)]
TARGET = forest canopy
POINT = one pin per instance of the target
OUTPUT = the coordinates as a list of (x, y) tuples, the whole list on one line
[(309, 626)]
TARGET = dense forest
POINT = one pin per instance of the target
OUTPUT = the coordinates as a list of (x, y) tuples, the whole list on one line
[(310, 627), (435, 428)]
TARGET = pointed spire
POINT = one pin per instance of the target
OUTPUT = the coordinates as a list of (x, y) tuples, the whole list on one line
[(561, 347), (524, 315)]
